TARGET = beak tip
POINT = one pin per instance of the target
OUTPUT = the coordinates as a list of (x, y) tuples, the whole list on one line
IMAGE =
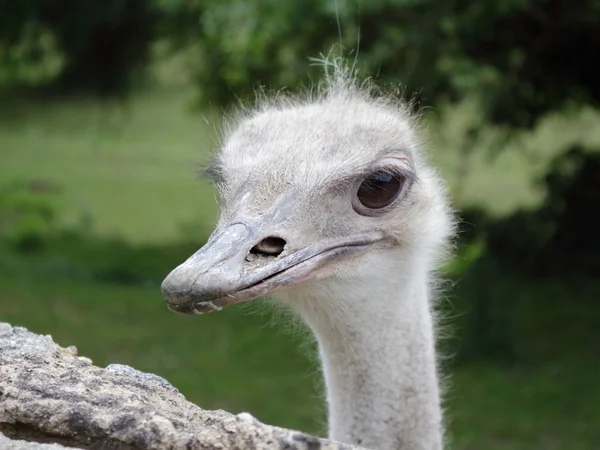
[(174, 293), (182, 299)]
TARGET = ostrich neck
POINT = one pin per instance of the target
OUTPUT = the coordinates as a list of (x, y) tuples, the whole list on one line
[(378, 356)]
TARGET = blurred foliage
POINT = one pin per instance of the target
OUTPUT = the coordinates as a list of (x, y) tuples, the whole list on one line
[(520, 58), (558, 238), (27, 214), (499, 258), (76, 44)]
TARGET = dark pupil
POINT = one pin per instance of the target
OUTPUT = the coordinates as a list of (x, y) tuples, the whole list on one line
[(380, 189)]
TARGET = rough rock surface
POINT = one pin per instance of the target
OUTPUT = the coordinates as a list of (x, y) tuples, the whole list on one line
[(50, 398)]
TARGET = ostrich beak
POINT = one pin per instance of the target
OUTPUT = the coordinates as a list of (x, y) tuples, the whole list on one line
[(221, 273)]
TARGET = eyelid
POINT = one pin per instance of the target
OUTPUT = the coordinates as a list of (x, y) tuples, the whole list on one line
[(408, 174), (343, 184), (405, 170)]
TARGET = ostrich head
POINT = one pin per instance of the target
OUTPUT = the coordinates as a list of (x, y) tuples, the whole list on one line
[(328, 203), (317, 194)]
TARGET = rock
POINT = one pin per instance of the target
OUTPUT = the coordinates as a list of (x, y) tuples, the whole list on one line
[(50, 398), (13, 444)]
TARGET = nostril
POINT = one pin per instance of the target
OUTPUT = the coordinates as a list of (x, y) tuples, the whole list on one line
[(271, 246)]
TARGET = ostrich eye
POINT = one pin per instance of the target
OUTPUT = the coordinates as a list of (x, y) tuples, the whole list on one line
[(380, 189)]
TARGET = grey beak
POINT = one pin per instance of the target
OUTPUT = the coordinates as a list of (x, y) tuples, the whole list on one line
[(220, 274), (212, 272)]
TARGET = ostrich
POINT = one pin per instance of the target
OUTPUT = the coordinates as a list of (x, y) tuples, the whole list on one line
[(327, 202)]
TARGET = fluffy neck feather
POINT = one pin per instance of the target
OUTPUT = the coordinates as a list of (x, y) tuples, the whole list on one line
[(377, 348)]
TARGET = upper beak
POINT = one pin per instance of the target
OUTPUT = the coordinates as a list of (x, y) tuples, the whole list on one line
[(220, 274)]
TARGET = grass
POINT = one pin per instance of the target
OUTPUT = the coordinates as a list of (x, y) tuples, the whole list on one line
[(131, 173), (494, 407), (131, 170)]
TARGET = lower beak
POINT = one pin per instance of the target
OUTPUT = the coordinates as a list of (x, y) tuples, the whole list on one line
[(221, 274)]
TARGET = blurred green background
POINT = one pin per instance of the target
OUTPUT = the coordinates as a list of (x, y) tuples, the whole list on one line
[(109, 108)]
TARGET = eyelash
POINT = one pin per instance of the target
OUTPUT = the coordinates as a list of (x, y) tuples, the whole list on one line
[(349, 182), (407, 174)]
